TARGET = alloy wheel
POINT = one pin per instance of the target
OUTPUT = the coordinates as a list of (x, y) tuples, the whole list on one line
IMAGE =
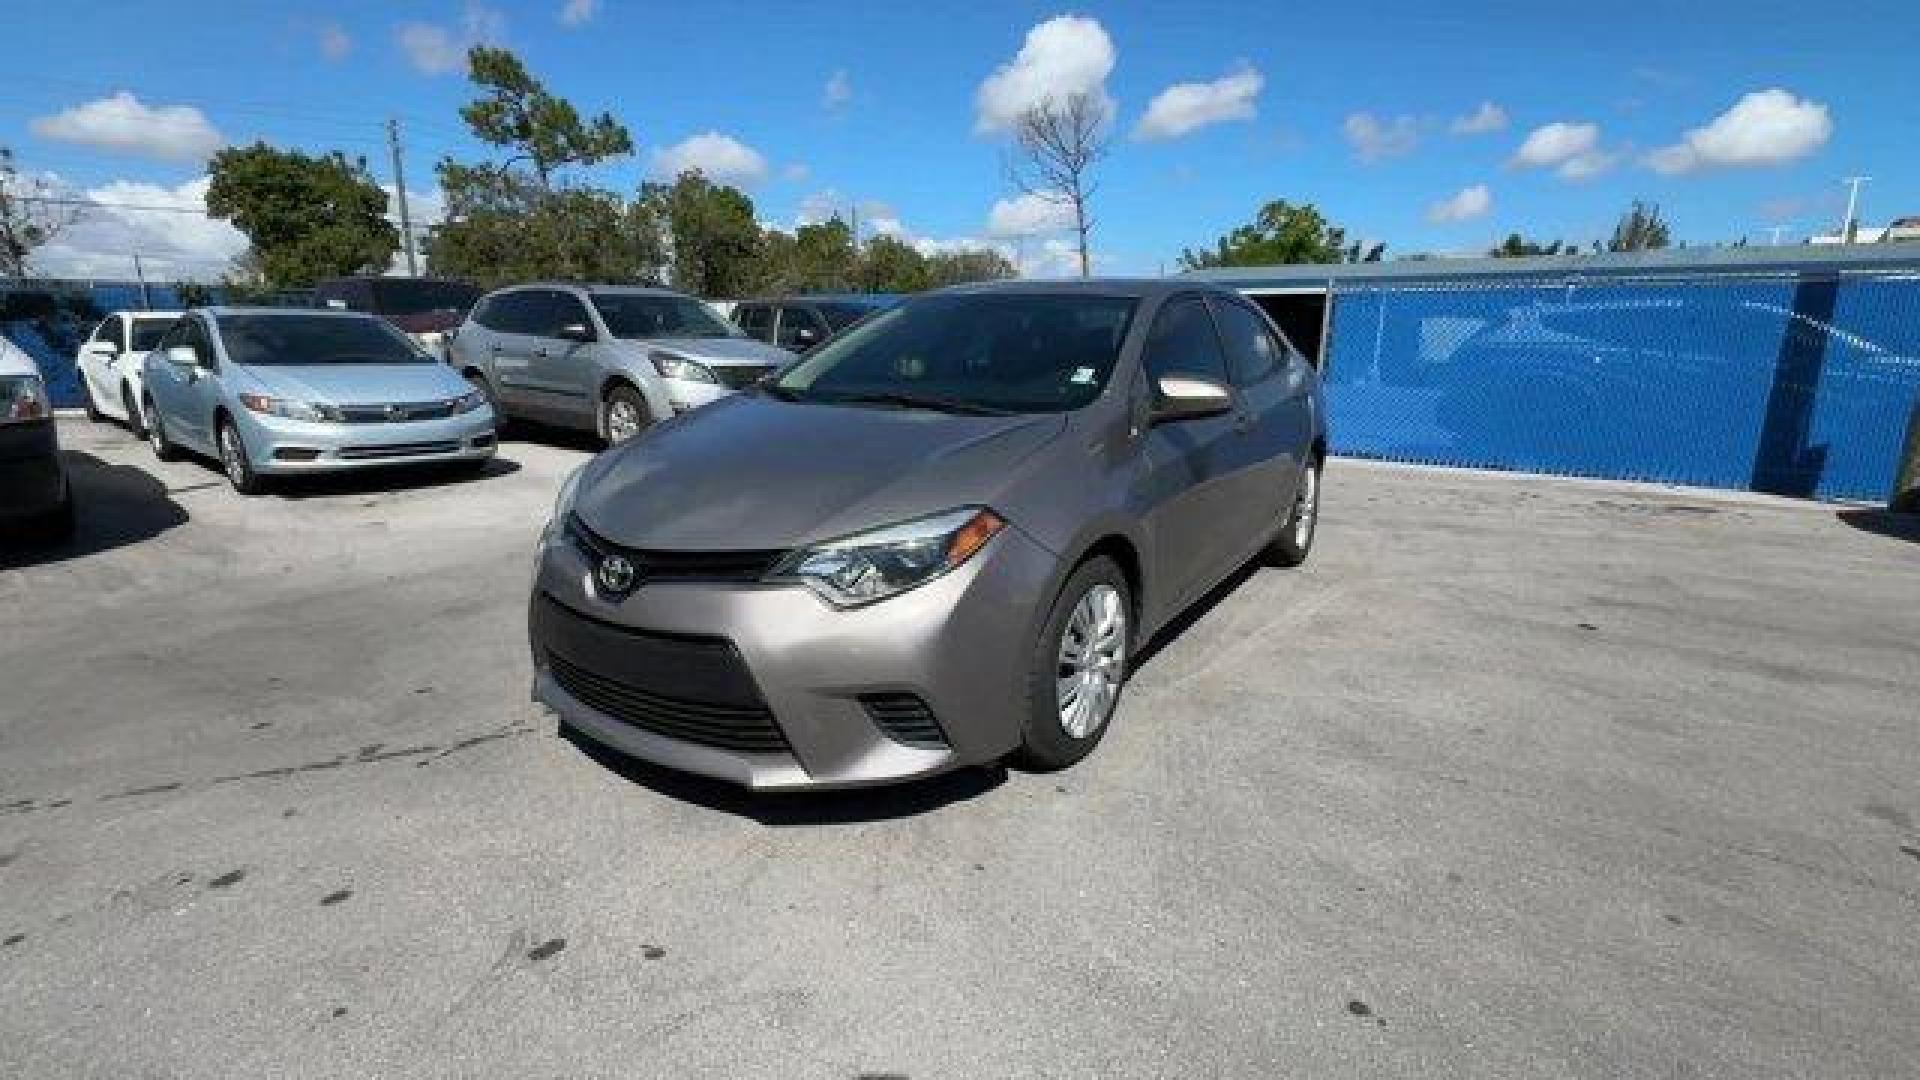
[(623, 420), (1306, 507), (1092, 663), (230, 456)]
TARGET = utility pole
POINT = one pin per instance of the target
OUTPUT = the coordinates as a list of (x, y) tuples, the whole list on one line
[(1847, 229), (400, 196), (1776, 230), (140, 274)]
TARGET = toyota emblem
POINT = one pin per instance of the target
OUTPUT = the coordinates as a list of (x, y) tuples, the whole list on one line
[(615, 574)]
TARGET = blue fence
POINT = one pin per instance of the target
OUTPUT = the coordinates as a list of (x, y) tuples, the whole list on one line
[(1794, 385)]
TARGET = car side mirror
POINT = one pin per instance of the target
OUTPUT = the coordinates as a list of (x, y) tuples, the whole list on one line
[(1186, 397), (103, 349), (575, 331), (183, 356)]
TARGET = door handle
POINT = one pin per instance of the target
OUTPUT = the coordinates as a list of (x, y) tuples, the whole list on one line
[(541, 352), (1243, 422)]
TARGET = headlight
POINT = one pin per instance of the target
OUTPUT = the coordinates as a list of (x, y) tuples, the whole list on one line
[(879, 563), (292, 410), (679, 367), (468, 402), (563, 502), (22, 398)]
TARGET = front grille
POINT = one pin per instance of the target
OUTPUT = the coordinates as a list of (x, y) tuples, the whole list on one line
[(400, 413), (905, 719), (739, 378), (394, 450), (745, 730), (673, 565)]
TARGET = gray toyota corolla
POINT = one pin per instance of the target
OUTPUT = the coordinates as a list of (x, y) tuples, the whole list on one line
[(937, 541)]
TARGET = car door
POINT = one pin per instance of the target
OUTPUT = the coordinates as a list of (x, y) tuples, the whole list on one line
[(508, 349), (179, 391), (1271, 380), (99, 361), (800, 328), (1194, 477), (200, 387), (565, 368)]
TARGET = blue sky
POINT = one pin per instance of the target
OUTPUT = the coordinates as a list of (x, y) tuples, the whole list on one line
[(1358, 107)]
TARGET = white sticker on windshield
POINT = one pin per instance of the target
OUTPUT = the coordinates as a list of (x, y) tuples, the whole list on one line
[(1082, 376)]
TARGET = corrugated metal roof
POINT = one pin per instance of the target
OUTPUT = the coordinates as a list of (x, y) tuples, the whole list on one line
[(1668, 263)]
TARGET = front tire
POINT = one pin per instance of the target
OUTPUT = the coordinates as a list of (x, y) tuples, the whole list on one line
[(623, 415), (1295, 541), (236, 464), (163, 447), (94, 415), (136, 417), (1078, 667)]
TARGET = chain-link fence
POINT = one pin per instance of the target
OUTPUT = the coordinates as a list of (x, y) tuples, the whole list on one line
[(1794, 385)]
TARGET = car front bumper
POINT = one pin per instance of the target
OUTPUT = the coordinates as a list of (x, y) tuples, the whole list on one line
[(279, 446), (685, 395), (33, 479), (691, 659)]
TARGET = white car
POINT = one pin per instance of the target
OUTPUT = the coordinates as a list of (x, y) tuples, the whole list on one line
[(112, 378)]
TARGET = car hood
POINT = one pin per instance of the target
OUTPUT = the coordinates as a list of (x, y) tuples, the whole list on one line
[(727, 351), (751, 472), (360, 384)]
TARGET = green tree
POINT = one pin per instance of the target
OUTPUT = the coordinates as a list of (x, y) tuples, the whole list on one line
[(714, 238), (307, 217), (890, 264), (1640, 229), (545, 133), (1516, 246), (1280, 234), (962, 265)]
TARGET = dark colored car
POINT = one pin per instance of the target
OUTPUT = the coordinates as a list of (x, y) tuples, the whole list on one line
[(938, 540), (426, 309), (34, 494), (798, 323)]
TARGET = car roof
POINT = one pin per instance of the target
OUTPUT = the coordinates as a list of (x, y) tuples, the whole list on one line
[(222, 310), (1141, 288), (145, 314), (862, 299), (589, 287)]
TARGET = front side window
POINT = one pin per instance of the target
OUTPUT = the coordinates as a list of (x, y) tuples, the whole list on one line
[(146, 333), (110, 331), (564, 309), (1183, 342), (841, 316), (291, 339), (757, 321), (651, 315), (800, 329), (995, 352)]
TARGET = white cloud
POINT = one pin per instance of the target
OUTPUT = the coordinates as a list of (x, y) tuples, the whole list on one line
[(795, 171), (578, 12), (838, 91), (177, 241), (1186, 107), (335, 43), (1061, 57), (1766, 127), (1027, 215), (1463, 205), (122, 124), (1571, 150), (720, 158), (1374, 139), (436, 50), (1484, 120)]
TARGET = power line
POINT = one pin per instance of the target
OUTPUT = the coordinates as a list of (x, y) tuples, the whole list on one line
[(99, 204)]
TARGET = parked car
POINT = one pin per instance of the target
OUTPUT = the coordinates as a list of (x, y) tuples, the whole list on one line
[(280, 391), (799, 323), (935, 541), (611, 359), (110, 363), (425, 309), (34, 494)]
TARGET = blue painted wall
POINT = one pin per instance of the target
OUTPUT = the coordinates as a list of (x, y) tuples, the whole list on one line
[(1800, 386)]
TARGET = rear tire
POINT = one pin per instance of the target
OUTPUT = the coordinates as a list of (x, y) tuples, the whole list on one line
[(479, 382), (156, 424), (94, 415), (1078, 667), (1295, 541), (623, 415), (235, 463)]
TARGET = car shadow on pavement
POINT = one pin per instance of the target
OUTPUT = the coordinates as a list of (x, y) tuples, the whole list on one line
[(393, 478), (1884, 522), (1194, 613), (115, 506), (798, 808), (526, 431)]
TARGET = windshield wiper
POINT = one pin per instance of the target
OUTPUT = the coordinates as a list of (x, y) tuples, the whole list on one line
[(913, 401)]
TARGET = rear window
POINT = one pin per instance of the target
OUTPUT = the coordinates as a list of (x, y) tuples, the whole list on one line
[(290, 338), (146, 333), (403, 297)]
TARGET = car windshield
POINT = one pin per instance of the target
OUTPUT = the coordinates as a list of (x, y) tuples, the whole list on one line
[(394, 299), (984, 352), (841, 316), (147, 333), (292, 338), (643, 315)]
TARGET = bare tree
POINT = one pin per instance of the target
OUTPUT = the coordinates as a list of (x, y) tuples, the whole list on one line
[(29, 216), (1057, 145)]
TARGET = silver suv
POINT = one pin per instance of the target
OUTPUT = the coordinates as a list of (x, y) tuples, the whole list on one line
[(609, 358)]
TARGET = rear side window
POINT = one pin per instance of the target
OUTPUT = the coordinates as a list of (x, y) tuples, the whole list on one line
[(112, 331), (800, 329), (513, 312), (1183, 342), (562, 309), (1253, 353), (757, 321), (146, 333)]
